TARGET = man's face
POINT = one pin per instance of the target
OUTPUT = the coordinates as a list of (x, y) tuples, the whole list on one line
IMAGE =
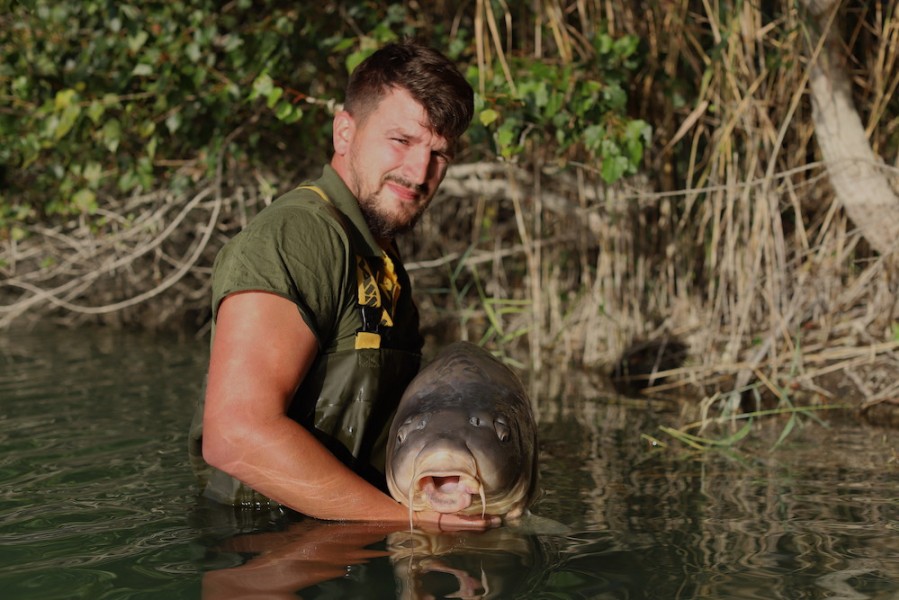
[(392, 161)]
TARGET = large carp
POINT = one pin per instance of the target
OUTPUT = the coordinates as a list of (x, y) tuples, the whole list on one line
[(464, 439)]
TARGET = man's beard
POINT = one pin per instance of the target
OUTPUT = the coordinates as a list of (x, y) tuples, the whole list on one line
[(384, 225)]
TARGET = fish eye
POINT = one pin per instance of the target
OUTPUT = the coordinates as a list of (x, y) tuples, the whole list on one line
[(410, 424), (475, 421), (503, 432), (402, 433)]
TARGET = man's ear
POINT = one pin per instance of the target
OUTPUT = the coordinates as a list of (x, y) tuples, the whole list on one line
[(344, 128)]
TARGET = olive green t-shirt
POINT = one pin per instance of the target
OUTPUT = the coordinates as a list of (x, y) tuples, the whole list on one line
[(300, 248)]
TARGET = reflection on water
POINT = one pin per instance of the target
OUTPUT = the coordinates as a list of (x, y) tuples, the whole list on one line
[(97, 500), (501, 563)]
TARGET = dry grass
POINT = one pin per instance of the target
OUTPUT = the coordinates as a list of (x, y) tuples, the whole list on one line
[(733, 243)]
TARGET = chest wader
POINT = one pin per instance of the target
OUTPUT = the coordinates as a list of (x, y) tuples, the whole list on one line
[(348, 397)]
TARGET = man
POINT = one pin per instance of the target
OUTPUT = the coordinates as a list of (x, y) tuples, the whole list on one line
[(316, 334)]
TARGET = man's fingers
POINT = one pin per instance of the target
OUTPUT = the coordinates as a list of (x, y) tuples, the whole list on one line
[(434, 521)]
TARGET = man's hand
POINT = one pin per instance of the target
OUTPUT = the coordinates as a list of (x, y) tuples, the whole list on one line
[(433, 522)]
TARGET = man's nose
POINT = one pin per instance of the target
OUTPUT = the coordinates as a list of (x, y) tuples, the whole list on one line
[(418, 165)]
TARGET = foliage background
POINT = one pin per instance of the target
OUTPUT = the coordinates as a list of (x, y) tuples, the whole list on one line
[(114, 98)]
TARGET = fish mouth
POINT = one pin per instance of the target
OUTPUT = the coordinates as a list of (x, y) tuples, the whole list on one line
[(446, 492)]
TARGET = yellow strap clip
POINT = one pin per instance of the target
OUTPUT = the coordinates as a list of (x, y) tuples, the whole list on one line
[(370, 286)]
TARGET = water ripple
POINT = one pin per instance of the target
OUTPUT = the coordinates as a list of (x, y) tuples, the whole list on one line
[(93, 472), (97, 499)]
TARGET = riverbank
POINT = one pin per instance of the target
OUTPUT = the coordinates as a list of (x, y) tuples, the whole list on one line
[(550, 270)]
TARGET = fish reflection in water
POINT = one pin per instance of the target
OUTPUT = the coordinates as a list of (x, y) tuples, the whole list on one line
[(498, 563), (360, 560)]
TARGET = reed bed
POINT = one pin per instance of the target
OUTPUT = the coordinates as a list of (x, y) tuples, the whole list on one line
[(733, 244)]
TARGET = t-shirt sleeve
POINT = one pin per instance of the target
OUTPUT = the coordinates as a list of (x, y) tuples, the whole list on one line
[(294, 252)]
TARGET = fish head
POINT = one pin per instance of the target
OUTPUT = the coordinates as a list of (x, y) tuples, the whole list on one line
[(462, 459)]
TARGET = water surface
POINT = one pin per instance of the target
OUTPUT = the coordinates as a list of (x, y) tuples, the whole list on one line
[(97, 501)]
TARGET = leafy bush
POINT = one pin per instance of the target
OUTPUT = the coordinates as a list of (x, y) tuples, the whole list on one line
[(106, 99), (577, 110), (109, 98)]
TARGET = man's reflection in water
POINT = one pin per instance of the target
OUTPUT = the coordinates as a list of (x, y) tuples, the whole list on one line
[(357, 560), (306, 553)]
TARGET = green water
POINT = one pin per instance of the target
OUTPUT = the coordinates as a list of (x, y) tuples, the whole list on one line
[(97, 501)]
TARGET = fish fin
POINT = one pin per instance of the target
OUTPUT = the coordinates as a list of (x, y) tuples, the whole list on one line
[(533, 524)]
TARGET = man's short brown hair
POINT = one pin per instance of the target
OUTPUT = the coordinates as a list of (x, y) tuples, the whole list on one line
[(429, 77)]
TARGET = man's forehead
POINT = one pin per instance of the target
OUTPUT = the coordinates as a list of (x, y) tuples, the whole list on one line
[(414, 128), (398, 113)]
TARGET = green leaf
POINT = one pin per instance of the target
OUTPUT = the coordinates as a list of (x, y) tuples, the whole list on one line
[(488, 116), (85, 201), (554, 104), (18, 234), (284, 110), (232, 42), (506, 134), (128, 180), (593, 137), (273, 96), (193, 52), (355, 58), (63, 99), (613, 168), (66, 121), (142, 70), (173, 121), (637, 135), (262, 86), (111, 134), (344, 44), (95, 111), (92, 173), (20, 86), (541, 95), (145, 172), (626, 45), (615, 97), (737, 436), (136, 41), (603, 43), (111, 100), (294, 116), (638, 129), (147, 128), (791, 423)]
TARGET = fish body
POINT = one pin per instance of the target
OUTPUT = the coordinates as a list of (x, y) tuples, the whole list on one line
[(464, 439)]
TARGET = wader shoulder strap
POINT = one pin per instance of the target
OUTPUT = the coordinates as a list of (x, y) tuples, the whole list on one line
[(377, 289)]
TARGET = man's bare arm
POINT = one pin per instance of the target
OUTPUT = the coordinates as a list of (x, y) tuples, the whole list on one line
[(261, 352)]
